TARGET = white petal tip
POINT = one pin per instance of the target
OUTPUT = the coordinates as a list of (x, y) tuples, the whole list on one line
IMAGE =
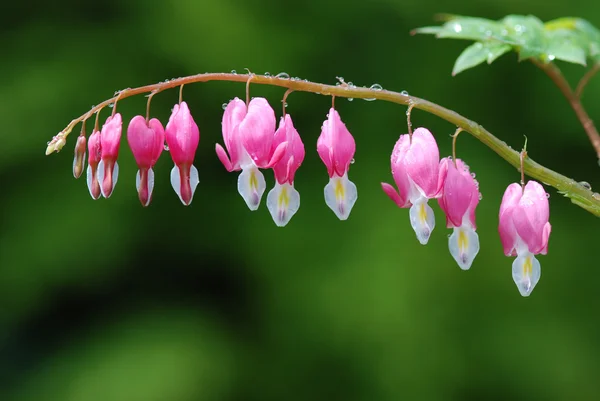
[(526, 272), (251, 186), (464, 246), (422, 221), (185, 187), (283, 201), (341, 195)]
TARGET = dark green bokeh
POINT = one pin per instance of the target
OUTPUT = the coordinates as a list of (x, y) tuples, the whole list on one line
[(108, 301)]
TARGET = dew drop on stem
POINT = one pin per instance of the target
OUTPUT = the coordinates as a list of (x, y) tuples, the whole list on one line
[(586, 185), (283, 75)]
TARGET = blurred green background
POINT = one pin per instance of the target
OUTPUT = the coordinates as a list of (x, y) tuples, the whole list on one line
[(108, 301)]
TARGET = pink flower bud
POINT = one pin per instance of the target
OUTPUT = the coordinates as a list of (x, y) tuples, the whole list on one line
[(458, 199), (336, 149), (79, 158), (108, 168), (524, 231), (146, 140), (94, 157), (182, 136), (415, 168)]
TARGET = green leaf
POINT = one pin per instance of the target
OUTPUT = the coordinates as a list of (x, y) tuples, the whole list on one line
[(566, 46), (477, 53), (573, 40), (527, 34), (471, 28)]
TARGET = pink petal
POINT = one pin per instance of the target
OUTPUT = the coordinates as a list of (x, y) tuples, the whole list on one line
[(277, 155), (222, 155), (506, 228), (146, 140), (531, 216), (422, 162), (394, 195), (336, 145), (182, 135), (110, 138), (257, 130), (285, 169), (456, 195), (234, 114), (399, 170)]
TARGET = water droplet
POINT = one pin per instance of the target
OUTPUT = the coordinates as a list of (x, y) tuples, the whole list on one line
[(224, 106), (234, 72), (457, 27), (586, 185), (111, 105), (166, 147), (351, 85), (350, 99), (547, 195), (267, 74), (369, 99), (283, 75), (473, 175), (376, 87), (596, 195), (285, 104), (296, 79), (338, 84), (404, 93), (352, 161), (480, 196)]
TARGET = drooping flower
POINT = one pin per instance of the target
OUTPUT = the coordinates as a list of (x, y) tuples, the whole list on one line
[(459, 198), (94, 157), (524, 231), (336, 149), (415, 168), (110, 141), (283, 200), (182, 136), (248, 133), (146, 140), (79, 157)]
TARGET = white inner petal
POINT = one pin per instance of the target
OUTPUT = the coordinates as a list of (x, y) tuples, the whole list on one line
[(90, 181), (176, 181), (283, 201), (251, 186), (422, 220), (526, 272), (340, 195), (464, 245)]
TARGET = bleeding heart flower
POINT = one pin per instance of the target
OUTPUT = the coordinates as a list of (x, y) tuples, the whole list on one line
[(283, 201), (182, 136), (459, 198), (146, 140), (524, 231), (110, 141), (336, 148), (94, 155), (415, 168), (249, 133)]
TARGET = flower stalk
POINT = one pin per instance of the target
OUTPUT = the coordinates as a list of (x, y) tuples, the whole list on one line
[(579, 194)]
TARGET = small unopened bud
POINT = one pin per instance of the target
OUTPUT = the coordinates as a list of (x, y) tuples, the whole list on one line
[(56, 144), (79, 159)]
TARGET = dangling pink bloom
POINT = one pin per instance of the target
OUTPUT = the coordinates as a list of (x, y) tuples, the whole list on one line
[(146, 140), (108, 168), (182, 136), (283, 201), (415, 168), (459, 198), (79, 158), (94, 157), (524, 231), (336, 149), (248, 133)]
